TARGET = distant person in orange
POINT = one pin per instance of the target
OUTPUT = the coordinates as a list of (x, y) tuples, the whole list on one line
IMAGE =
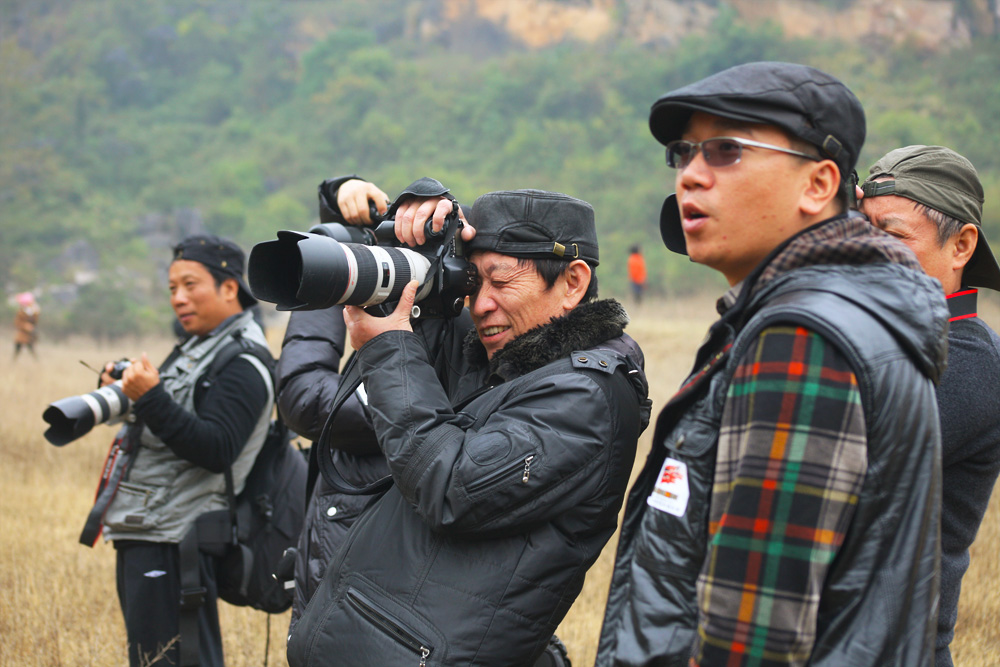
[(26, 323), (637, 273)]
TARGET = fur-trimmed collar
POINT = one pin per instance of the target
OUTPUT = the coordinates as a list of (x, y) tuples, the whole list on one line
[(584, 327)]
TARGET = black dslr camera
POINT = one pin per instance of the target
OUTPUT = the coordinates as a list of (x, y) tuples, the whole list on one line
[(73, 417), (364, 266)]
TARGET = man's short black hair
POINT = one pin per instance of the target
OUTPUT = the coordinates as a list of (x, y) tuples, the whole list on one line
[(219, 276), (550, 269), (845, 190)]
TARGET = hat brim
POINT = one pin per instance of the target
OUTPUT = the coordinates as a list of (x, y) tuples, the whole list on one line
[(671, 230), (982, 269), (668, 120), (243, 294)]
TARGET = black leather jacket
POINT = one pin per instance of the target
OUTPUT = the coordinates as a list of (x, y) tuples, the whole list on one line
[(879, 602), (308, 379), (508, 478)]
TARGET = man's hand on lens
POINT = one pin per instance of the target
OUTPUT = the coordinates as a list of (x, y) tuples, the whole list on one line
[(412, 215), (106, 378), (362, 327), (354, 198), (139, 378)]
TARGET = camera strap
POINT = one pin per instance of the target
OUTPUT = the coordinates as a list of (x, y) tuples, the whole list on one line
[(119, 459), (350, 380)]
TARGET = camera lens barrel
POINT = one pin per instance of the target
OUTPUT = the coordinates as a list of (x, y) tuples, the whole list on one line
[(73, 417), (381, 273), (302, 271)]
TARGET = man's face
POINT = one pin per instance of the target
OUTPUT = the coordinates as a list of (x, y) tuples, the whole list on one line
[(199, 304), (511, 300), (900, 217), (733, 216)]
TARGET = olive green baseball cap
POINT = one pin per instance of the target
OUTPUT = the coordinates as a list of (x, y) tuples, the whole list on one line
[(943, 180)]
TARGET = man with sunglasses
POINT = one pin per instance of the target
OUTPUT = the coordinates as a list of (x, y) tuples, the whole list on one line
[(930, 198), (788, 511)]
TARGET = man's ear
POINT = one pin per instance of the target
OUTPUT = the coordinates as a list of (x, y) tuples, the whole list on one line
[(822, 184), (230, 289), (577, 276), (964, 245)]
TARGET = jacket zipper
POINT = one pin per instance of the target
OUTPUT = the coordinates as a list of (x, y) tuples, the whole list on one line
[(522, 465), (389, 625)]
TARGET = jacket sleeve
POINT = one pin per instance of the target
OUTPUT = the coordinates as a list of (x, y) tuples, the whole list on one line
[(227, 414), (792, 458), (550, 448), (308, 379), (970, 440), (327, 191)]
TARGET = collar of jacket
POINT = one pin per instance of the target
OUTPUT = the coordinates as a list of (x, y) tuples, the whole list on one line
[(584, 327), (963, 304), (846, 239)]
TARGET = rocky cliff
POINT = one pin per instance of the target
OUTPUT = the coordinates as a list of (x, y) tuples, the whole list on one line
[(932, 24)]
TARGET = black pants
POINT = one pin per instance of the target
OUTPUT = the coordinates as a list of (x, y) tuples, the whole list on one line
[(149, 592), (30, 346)]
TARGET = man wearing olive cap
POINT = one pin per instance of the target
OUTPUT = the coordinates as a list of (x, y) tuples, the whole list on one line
[(509, 434), (192, 433), (788, 511), (930, 198)]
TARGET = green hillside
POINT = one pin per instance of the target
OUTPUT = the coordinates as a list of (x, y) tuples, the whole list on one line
[(126, 123)]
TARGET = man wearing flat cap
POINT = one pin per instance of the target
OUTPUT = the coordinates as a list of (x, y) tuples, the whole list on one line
[(509, 433), (930, 198), (193, 435), (788, 511)]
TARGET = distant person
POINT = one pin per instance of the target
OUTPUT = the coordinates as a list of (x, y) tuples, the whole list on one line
[(788, 513), (26, 323), (637, 273), (192, 436), (930, 198)]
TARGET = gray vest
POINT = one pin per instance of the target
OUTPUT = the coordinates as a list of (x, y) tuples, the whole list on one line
[(163, 494)]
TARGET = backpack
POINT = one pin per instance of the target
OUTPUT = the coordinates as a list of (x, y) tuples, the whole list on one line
[(265, 519)]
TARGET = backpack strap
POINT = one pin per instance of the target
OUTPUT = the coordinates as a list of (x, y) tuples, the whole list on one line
[(210, 528), (230, 351), (192, 597), (234, 348)]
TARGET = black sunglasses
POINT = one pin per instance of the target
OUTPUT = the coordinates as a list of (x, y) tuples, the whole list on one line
[(719, 151)]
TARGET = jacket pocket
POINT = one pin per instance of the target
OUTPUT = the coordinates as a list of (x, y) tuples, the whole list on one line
[(135, 507), (672, 537), (355, 623), (330, 518), (519, 470), (391, 626)]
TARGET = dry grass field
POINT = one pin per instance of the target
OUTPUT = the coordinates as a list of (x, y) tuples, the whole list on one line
[(57, 598)]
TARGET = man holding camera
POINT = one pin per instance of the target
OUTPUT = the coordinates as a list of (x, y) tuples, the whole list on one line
[(930, 198), (788, 513), (194, 433), (509, 439)]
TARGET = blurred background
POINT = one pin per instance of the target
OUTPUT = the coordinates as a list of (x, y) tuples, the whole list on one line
[(128, 124)]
